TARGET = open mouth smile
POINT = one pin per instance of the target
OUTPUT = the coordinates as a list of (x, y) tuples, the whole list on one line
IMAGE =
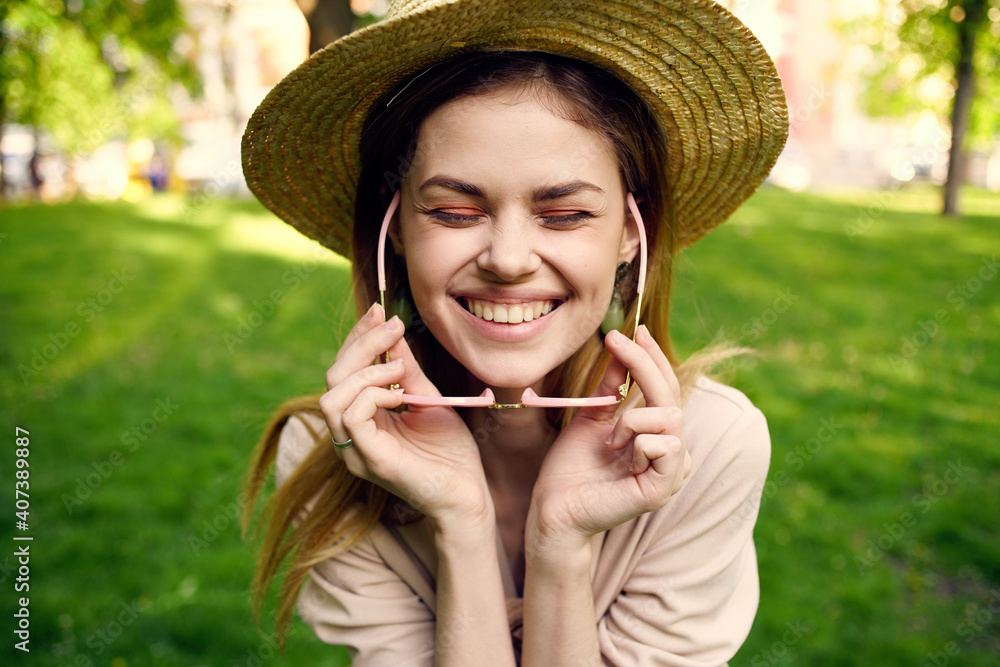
[(509, 313)]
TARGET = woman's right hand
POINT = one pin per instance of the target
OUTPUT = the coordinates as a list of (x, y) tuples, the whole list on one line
[(426, 456)]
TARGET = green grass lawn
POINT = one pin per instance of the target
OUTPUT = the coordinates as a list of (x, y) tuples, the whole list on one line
[(144, 345)]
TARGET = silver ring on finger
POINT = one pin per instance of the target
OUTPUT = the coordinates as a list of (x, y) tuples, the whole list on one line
[(343, 445)]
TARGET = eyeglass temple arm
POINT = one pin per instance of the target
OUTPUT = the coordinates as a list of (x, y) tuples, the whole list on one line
[(637, 217), (393, 205)]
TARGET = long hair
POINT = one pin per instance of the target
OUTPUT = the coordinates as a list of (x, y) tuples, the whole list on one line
[(577, 91)]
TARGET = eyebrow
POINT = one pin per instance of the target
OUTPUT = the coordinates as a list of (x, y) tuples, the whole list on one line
[(544, 193), (564, 189), (452, 184)]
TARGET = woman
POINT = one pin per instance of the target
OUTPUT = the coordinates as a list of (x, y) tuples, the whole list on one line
[(515, 154)]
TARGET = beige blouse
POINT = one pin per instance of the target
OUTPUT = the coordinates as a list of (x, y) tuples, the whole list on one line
[(676, 587)]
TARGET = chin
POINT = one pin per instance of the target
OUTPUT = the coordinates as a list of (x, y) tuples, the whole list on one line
[(510, 377)]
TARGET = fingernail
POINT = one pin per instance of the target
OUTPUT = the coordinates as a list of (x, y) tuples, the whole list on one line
[(645, 331), (615, 337), (395, 363), (610, 438), (392, 323), (399, 390)]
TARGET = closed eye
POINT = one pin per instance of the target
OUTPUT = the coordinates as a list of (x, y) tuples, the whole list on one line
[(462, 216), (559, 219)]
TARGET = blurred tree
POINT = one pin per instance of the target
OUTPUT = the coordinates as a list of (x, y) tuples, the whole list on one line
[(936, 54), (328, 20), (87, 71)]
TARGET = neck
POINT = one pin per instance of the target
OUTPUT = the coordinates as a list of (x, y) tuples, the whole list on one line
[(512, 443)]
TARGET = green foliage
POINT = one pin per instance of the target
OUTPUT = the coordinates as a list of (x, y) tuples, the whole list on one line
[(92, 70), (914, 46), (866, 276)]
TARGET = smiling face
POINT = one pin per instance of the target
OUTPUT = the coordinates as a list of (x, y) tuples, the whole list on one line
[(512, 222)]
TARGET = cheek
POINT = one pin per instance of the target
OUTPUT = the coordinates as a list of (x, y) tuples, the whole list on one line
[(424, 286), (430, 269), (604, 285), (594, 273)]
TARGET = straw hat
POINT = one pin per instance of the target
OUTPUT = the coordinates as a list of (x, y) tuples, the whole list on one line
[(706, 77)]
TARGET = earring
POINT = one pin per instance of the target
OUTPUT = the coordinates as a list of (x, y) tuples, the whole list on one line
[(402, 304), (614, 319)]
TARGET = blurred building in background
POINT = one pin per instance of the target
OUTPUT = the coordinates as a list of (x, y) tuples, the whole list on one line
[(242, 49), (832, 142)]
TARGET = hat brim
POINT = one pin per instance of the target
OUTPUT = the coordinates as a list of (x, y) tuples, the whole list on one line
[(707, 79)]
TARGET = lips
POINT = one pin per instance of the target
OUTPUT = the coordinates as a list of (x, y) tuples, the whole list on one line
[(509, 313)]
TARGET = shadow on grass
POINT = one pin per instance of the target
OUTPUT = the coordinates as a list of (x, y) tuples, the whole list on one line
[(878, 374), (879, 377), (181, 339)]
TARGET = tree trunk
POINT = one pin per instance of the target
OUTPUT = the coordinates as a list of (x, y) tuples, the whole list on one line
[(3, 106), (328, 20), (962, 103), (3, 174)]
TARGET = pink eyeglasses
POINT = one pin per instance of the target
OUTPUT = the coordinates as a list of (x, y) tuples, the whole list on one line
[(529, 399)]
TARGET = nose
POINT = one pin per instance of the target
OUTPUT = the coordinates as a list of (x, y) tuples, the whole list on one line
[(509, 253)]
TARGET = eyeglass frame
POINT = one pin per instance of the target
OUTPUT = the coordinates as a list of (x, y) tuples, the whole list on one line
[(529, 399)]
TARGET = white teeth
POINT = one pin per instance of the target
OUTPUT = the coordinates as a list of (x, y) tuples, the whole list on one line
[(508, 313)]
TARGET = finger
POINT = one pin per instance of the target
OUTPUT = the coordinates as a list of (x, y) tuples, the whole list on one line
[(648, 343), (614, 377), (359, 421), (368, 321), (647, 375), (335, 402), (364, 351), (413, 379), (657, 421), (362, 459), (658, 463)]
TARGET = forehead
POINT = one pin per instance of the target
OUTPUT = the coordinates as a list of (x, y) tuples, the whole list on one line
[(524, 132)]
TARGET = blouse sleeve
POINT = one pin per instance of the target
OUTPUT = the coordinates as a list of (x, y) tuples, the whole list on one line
[(693, 593), (355, 599)]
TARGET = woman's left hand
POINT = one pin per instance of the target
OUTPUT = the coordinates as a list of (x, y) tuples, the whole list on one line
[(600, 473)]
